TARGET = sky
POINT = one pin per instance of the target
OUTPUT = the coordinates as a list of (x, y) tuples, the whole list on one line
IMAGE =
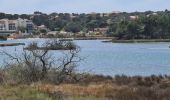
[(81, 6)]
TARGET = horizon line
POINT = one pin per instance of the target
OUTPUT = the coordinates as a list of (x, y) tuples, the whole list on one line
[(116, 11)]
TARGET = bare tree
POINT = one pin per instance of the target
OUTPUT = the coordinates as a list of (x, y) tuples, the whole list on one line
[(35, 65), (68, 63), (31, 65)]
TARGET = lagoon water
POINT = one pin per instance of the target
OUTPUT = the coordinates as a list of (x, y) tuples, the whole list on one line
[(115, 58)]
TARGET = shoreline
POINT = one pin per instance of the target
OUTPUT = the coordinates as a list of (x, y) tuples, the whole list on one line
[(106, 39), (92, 38), (10, 44), (141, 41)]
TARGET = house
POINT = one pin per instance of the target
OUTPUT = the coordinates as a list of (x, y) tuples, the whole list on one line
[(12, 26), (153, 14), (41, 27), (104, 14), (27, 24), (133, 17), (7, 26), (101, 30)]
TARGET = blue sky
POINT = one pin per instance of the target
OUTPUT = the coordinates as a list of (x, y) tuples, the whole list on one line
[(81, 6)]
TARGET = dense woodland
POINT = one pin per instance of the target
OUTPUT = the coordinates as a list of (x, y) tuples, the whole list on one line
[(147, 25)]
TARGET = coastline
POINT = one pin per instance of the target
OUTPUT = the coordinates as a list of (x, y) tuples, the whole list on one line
[(10, 44), (92, 38), (141, 40)]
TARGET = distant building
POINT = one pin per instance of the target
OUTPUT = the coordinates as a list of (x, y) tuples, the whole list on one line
[(153, 14), (41, 27), (101, 30), (134, 17), (52, 33), (105, 14), (7, 26), (56, 16), (93, 13), (116, 12), (12, 26)]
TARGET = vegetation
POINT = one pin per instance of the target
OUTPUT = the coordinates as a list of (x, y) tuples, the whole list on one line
[(144, 25), (38, 74), (22, 92), (92, 87), (139, 40), (43, 31), (35, 65), (11, 44), (73, 27), (53, 45)]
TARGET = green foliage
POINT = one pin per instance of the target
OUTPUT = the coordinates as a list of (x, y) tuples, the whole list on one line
[(22, 93), (36, 32), (43, 31), (92, 24), (148, 25), (85, 98), (73, 27)]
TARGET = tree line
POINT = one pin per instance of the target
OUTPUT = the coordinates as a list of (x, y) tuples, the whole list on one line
[(148, 24), (144, 27)]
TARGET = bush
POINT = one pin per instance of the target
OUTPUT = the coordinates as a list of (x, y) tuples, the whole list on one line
[(35, 64), (53, 45), (1, 77)]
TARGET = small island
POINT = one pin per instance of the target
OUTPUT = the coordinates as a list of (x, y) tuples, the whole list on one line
[(52, 45), (140, 40), (11, 44)]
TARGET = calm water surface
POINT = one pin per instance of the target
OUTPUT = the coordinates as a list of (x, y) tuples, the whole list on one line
[(116, 58)]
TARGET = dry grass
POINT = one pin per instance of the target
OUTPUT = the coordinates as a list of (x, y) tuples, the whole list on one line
[(120, 88), (98, 90), (21, 92)]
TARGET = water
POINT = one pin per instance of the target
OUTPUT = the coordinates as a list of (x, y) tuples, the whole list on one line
[(117, 58)]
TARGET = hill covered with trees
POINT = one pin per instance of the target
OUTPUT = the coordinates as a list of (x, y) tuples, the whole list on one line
[(123, 25)]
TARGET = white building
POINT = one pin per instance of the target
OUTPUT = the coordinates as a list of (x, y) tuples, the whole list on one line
[(8, 25), (133, 17), (12, 26)]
